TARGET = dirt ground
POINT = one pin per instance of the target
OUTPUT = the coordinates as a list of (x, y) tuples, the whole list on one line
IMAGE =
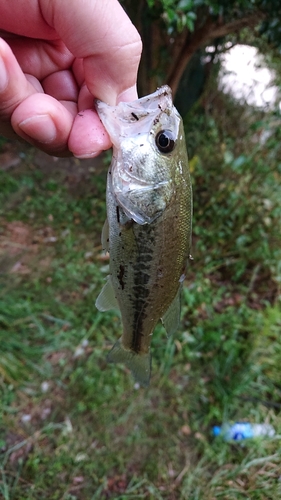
[(19, 242)]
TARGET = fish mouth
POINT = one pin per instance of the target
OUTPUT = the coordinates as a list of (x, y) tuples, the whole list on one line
[(161, 99), (133, 118), (158, 101)]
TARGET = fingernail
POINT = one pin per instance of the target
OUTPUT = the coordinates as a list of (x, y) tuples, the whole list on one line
[(3, 76), (84, 156), (41, 128), (128, 95)]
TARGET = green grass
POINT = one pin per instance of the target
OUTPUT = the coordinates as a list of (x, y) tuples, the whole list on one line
[(73, 427)]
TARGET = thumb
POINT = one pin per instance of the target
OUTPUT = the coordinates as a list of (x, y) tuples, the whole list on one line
[(105, 38)]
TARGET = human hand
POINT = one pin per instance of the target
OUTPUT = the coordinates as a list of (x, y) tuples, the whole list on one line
[(56, 56)]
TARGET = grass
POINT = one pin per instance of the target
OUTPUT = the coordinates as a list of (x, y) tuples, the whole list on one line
[(73, 427)]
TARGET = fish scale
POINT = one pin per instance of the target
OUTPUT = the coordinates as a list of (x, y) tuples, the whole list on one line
[(148, 228)]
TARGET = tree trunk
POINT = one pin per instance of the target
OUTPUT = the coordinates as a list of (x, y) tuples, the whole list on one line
[(165, 57)]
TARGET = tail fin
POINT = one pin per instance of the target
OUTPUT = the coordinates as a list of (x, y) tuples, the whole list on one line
[(139, 364)]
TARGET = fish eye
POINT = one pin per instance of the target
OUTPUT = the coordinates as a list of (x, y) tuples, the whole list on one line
[(165, 141)]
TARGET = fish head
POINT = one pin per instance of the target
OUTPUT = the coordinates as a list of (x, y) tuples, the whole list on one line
[(148, 153)]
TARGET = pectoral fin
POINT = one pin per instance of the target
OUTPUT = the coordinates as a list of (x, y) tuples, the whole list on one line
[(139, 364), (105, 236), (106, 299), (171, 318)]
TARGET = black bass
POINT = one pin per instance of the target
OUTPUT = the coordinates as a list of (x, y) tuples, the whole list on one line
[(148, 227)]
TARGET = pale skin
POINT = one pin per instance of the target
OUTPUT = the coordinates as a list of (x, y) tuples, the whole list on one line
[(56, 56)]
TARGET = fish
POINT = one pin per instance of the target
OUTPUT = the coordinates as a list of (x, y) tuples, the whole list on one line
[(149, 222)]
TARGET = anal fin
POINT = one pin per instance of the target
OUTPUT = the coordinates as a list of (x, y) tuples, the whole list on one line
[(139, 364), (106, 299)]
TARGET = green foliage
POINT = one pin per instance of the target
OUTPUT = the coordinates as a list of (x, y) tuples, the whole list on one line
[(236, 192), (180, 14)]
